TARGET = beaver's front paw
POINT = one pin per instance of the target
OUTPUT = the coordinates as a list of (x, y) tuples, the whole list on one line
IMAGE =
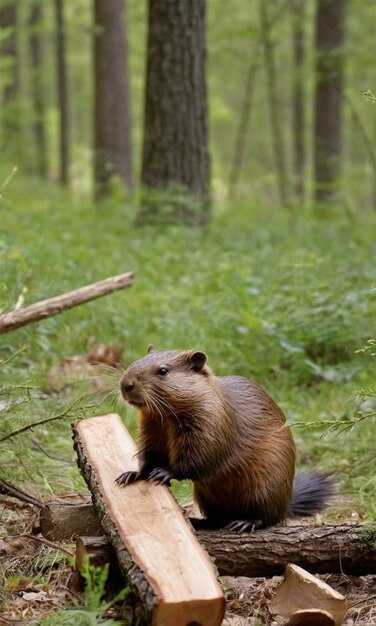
[(127, 478), (161, 476)]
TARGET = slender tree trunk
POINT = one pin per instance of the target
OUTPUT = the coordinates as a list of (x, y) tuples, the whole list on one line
[(36, 61), (112, 120), (10, 117), (175, 151), (244, 121), (62, 91), (8, 48), (298, 98), (274, 106), (329, 41)]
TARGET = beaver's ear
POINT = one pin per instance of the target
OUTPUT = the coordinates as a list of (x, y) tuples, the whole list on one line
[(198, 360), (150, 348)]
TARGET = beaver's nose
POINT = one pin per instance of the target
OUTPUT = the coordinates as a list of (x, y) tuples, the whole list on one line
[(126, 386)]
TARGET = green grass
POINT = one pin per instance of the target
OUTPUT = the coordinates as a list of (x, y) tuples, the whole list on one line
[(284, 298)]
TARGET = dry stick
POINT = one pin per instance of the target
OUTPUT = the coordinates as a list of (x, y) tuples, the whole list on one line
[(13, 491), (47, 543), (53, 306)]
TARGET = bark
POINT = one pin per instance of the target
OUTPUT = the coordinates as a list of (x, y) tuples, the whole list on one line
[(274, 106), (59, 522), (348, 549), (112, 119), (329, 548), (298, 98), (156, 551), (175, 152), (329, 42), (36, 62), (53, 306), (62, 91)]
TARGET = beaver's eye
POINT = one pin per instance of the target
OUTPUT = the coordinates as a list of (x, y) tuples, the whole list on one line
[(163, 371)]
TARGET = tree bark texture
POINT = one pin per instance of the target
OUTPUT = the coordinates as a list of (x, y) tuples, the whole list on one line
[(112, 119), (350, 549), (175, 151), (8, 20), (157, 553), (36, 61), (62, 91), (298, 97), (330, 548), (329, 42), (52, 306), (274, 106)]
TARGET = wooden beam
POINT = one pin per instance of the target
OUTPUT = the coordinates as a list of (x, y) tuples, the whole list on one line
[(156, 549), (57, 304)]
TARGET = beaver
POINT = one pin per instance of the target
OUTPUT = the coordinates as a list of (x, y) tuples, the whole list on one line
[(226, 434)]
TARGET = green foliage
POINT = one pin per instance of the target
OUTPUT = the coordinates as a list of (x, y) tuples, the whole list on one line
[(94, 610), (283, 299)]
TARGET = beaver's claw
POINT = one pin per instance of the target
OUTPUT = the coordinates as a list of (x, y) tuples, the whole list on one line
[(127, 478), (161, 476)]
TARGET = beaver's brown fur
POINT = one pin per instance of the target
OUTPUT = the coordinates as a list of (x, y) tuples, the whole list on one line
[(226, 434)]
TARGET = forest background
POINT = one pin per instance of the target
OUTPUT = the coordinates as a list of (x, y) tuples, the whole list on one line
[(264, 265)]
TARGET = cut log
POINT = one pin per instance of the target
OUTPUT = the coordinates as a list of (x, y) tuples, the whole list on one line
[(300, 591), (330, 548), (59, 522), (98, 550), (311, 617), (53, 306), (157, 551)]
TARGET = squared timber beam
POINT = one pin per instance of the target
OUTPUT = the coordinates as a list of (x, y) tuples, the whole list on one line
[(157, 551)]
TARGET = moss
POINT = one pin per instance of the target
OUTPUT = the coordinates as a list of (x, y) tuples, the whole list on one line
[(368, 535)]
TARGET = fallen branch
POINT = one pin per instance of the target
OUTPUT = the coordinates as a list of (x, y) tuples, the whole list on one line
[(11, 490), (52, 306)]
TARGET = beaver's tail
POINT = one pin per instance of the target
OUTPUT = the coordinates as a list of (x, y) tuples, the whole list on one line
[(312, 493)]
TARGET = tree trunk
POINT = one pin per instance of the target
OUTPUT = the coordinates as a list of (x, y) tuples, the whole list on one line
[(62, 91), (8, 20), (10, 115), (112, 123), (175, 151), (36, 61), (244, 121), (329, 41), (298, 98), (274, 106)]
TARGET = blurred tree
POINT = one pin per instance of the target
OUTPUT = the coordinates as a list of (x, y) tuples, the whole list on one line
[(298, 102), (37, 91), (9, 76), (274, 105), (8, 49), (62, 91), (112, 119), (175, 151), (329, 42)]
